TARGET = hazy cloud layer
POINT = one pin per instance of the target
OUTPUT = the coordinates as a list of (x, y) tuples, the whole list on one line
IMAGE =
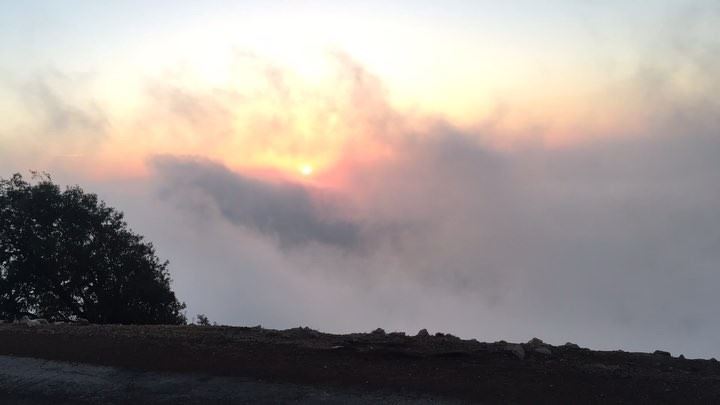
[(47, 118), (615, 244), (612, 242)]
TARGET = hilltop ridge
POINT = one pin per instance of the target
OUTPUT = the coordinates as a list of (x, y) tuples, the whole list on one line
[(440, 365)]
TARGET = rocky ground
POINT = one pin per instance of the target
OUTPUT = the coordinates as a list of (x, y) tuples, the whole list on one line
[(390, 365)]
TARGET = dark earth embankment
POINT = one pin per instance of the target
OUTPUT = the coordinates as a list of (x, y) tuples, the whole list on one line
[(434, 366), (28, 381)]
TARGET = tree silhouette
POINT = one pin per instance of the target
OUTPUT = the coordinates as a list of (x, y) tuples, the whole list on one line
[(203, 320), (65, 254)]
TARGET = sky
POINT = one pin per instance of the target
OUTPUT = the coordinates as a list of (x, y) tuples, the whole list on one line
[(495, 170)]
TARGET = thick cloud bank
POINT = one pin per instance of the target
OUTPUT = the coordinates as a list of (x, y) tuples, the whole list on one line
[(613, 244)]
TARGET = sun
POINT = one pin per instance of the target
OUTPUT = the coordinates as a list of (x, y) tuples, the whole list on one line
[(306, 170)]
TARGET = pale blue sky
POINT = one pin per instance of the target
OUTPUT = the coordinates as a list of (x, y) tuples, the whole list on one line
[(78, 33)]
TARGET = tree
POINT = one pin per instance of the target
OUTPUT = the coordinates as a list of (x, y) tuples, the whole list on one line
[(65, 254), (203, 320)]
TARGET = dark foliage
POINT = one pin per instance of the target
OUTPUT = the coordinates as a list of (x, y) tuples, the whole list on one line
[(203, 320), (66, 254)]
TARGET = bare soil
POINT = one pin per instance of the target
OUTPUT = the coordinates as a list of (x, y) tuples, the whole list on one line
[(441, 366)]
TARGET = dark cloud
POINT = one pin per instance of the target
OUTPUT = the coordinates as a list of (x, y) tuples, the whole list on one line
[(283, 211)]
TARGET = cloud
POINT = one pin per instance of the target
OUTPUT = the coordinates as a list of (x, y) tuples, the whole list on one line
[(283, 211), (610, 242), (49, 117), (56, 114)]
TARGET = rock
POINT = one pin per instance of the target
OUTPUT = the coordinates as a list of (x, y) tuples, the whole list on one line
[(397, 334), (543, 350), (305, 330), (516, 350), (82, 321), (535, 342), (379, 332), (439, 334), (42, 321), (571, 345), (423, 333), (662, 353), (681, 357)]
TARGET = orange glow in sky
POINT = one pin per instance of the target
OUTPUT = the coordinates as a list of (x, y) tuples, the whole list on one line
[(271, 91)]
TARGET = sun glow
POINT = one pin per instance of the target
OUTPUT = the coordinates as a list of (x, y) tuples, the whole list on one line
[(306, 170)]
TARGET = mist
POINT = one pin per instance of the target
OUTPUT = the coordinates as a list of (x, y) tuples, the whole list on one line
[(610, 239), (612, 243)]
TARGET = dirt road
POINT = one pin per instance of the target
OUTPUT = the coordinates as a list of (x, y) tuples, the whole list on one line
[(45, 382)]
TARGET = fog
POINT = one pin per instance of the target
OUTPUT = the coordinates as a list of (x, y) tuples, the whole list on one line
[(611, 243), (611, 240)]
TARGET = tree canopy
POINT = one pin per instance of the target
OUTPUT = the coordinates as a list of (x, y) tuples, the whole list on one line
[(66, 254)]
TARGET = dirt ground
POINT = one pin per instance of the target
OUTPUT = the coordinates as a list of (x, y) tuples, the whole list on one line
[(439, 366)]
